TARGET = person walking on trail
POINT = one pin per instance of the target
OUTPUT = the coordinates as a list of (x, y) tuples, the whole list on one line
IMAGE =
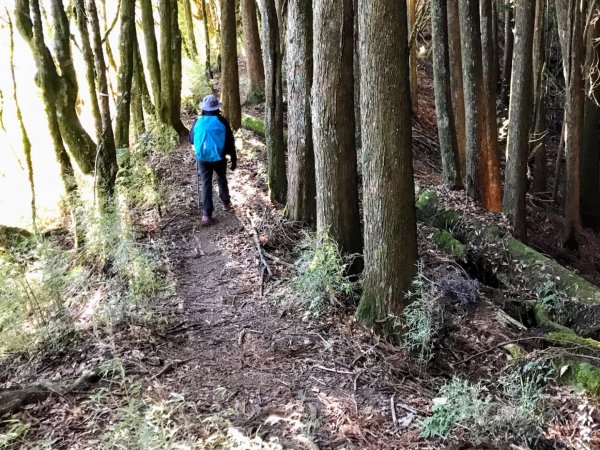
[(213, 140)]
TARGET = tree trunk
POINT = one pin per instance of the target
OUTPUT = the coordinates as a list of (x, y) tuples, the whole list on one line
[(254, 66), (489, 149), (509, 39), (495, 43), (189, 29), (125, 73), (151, 51), (540, 82), (29, 24), (443, 98), (333, 123), (137, 96), (412, 39), (301, 199), (88, 57), (230, 89), (519, 122), (456, 84), (273, 102), (165, 110), (209, 73), (176, 45), (480, 172), (590, 155), (107, 155), (24, 136), (81, 145), (389, 196), (144, 92), (570, 16)]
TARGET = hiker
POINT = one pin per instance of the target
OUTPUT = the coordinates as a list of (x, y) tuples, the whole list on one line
[(212, 138)]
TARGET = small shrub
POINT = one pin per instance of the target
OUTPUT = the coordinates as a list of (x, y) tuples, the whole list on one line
[(553, 300), (423, 318), (136, 180), (517, 413), (322, 273), (161, 138)]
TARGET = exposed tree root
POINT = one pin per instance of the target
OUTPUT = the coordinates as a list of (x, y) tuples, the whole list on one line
[(14, 399)]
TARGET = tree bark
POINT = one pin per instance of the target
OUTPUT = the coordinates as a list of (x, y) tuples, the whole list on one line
[(88, 57), (151, 50), (414, 82), (230, 89), (277, 179), (176, 44), (165, 110), (389, 197), (301, 198), (333, 124), (144, 92), (489, 149), (254, 66), (107, 155), (456, 84), (189, 29), (480, 175), (519, 120), (137, 95), (24, 135), (125, 73), (509, 39), (443, 97), (29, 24), (209, 73), (570, 16), (590, 155), (540, 183)]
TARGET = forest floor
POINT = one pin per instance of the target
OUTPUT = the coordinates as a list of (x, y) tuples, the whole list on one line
[(225, 359)]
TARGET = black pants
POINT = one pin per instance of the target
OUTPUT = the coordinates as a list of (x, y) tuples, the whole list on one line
[(205, 172)]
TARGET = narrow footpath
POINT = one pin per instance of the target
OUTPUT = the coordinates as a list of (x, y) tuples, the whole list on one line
[(273, 377)]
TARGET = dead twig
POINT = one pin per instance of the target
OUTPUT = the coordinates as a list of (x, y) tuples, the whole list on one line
[(243, 334), (172, 365), (327, 369), (393, 408), (278, 260)]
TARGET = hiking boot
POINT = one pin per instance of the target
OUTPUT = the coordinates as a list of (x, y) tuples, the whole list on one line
[(228, 206), (206, 221)]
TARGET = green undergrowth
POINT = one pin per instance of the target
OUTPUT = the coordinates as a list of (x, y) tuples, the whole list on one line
[(48, 289), (195, 85), (512, 408), (322, 277)]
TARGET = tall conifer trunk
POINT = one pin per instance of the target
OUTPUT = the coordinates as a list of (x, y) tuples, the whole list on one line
[(254, 66), (125, 73), (301, 199), (519, 119), (276, 171), (443, 98), (389, 212), (230, 87), (333, 123)]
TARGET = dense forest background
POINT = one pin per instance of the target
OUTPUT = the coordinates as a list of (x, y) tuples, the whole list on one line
[(413, 260)]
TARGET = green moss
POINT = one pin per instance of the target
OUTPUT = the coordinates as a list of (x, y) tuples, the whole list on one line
[(446, 242), (427, 205), (581, 375), (569, 337), (257, 125), (538, 265)]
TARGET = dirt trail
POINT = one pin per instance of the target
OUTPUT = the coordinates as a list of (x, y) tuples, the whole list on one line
[(275, 376)]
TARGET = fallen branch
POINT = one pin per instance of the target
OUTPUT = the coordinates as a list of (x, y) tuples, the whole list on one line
[(259, 248), (278, 260), (327, 369)]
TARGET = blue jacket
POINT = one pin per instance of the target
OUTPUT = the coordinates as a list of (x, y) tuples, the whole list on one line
[(229, 146)]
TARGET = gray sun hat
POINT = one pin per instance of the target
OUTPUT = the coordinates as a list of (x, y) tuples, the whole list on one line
[(210, 103)]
